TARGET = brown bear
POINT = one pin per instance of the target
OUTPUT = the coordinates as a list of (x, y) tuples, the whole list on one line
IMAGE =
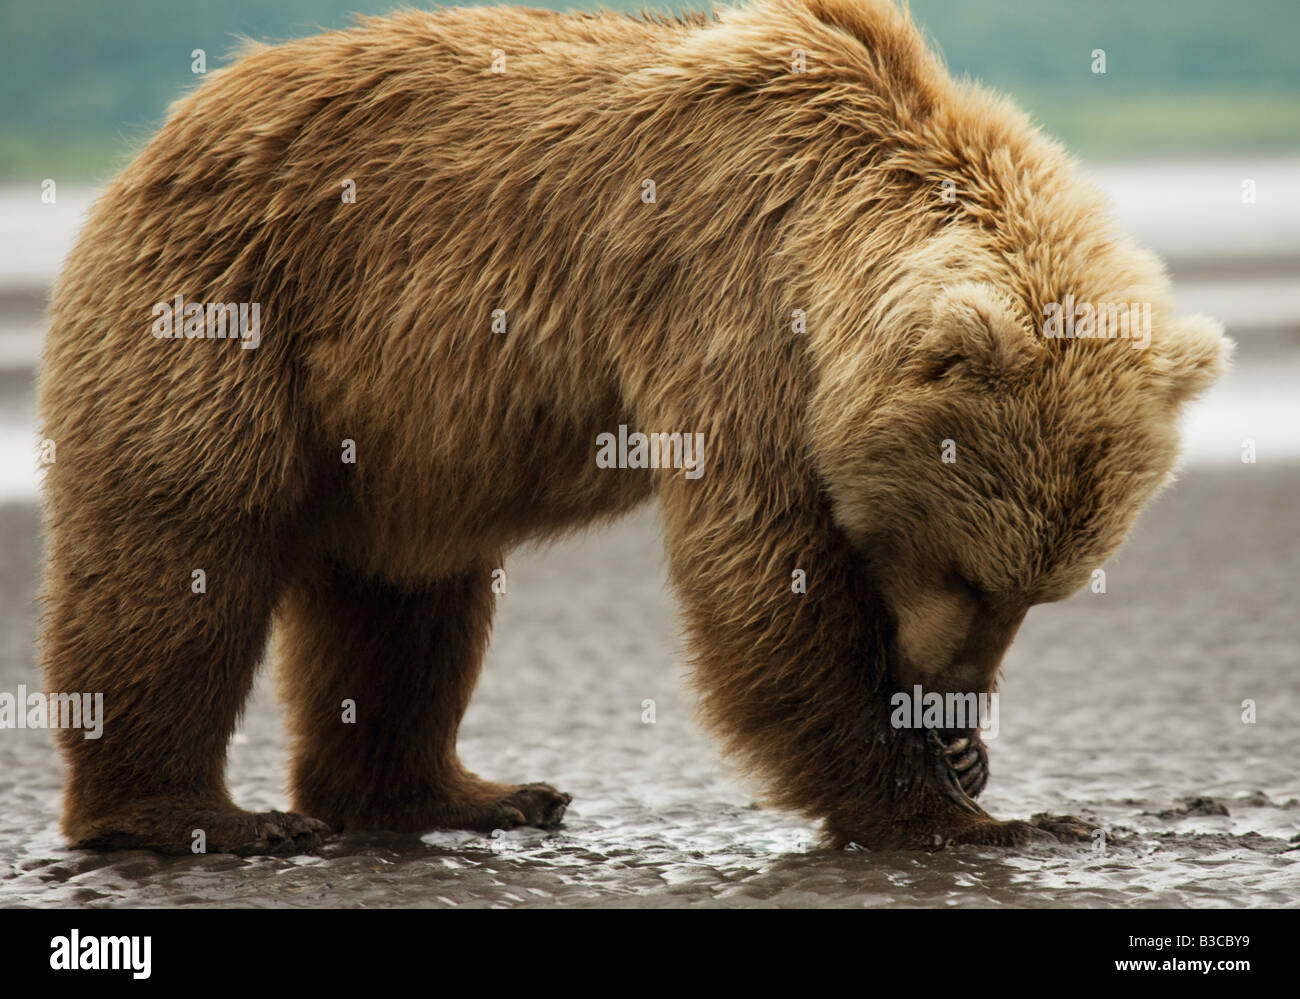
[(356, 322)]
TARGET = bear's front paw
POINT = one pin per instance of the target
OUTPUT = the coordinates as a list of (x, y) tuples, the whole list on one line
[(1066, 828), (961, 760), (1013, 833), (968, 758), (1042, 828)]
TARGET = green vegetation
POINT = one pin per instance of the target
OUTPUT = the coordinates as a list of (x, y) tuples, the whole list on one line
[(1154, 125), (83, 83)]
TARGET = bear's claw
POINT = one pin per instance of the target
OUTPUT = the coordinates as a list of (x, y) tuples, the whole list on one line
[(542, 805), (961, 761)]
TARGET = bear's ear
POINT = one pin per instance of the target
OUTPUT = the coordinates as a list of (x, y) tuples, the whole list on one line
[(1194, 356), (973, 330), (885, 31)]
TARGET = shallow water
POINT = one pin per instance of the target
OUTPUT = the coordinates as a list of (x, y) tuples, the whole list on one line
[(1117, 706)]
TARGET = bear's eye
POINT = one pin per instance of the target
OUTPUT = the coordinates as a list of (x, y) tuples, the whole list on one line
[(940, 367)]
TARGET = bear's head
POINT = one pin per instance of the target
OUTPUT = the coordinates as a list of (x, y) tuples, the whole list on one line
[(982, 448), (987, 467)]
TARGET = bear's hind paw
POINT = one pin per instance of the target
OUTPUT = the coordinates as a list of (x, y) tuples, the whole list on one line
[(538, 805), (270, 833), (224, 831)]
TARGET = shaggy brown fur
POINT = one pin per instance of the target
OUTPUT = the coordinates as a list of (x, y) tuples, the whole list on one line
[(476, 191)]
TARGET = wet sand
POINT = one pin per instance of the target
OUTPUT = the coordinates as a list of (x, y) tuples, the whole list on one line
[(1122, 707)]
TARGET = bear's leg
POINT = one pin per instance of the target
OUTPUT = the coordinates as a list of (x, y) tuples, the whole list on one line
[(377, 678), (789, 638), (173, 654)]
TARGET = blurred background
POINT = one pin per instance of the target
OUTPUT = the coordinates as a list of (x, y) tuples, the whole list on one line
[(1194, 132)]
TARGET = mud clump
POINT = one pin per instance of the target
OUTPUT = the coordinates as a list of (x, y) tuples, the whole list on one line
[(1194, 806)]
